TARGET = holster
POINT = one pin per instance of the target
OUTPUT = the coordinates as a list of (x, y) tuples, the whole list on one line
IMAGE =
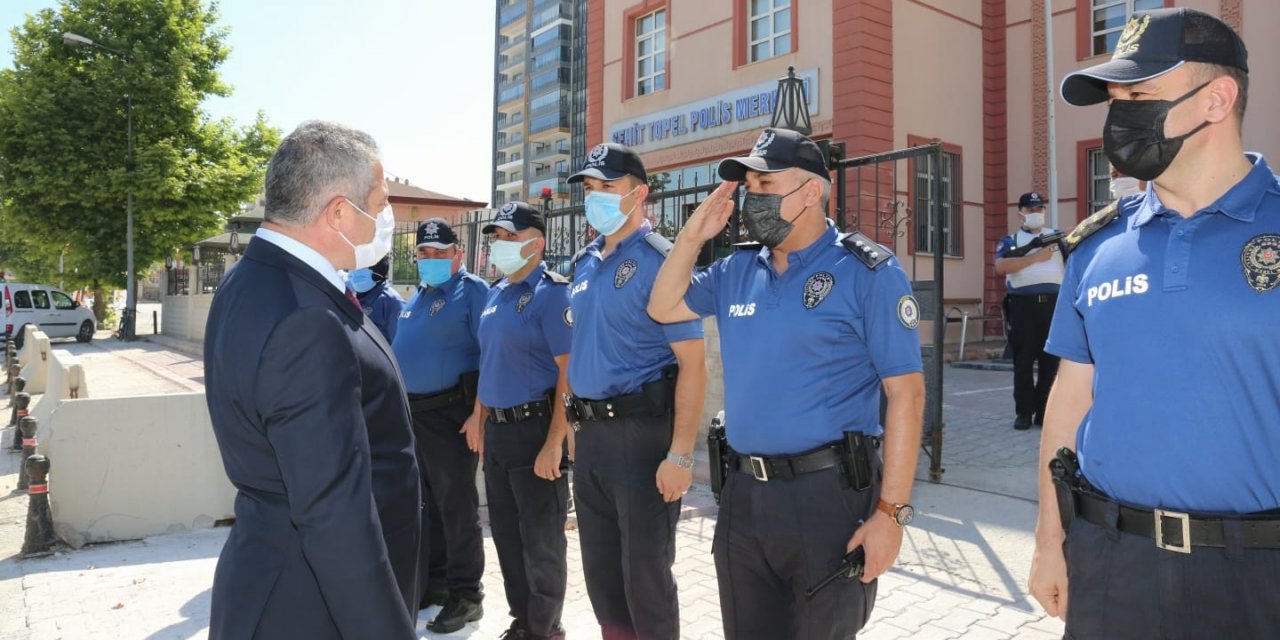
[(661, 393), (858, 449), (469, 382), (1064, 468), (718, 456)]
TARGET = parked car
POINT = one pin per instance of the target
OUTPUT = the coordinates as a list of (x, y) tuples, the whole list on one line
[(57, 315)]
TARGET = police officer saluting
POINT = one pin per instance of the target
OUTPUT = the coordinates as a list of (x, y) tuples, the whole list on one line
[(811, 326), (440, 360), (638, 419), (1166, 328), (1032, 274), (377, 299), (524, 334)]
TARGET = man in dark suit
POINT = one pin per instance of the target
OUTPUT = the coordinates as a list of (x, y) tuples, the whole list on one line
[(310, 412)]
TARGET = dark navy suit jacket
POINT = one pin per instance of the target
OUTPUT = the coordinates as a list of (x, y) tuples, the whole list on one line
[(314, 427)]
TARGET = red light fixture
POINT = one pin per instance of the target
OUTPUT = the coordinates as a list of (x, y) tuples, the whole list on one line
[(546, 192)]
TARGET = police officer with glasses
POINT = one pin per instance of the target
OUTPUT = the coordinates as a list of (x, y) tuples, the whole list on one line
[(812, 325)]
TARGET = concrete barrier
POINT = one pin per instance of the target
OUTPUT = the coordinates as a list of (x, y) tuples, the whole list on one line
[(36, 371), (66, 381), (128, 468), (28, 344)]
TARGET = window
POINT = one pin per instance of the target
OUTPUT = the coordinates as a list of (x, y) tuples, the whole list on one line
[(1098, 179), (651, 52), (1108, 18), (41, 298), (22, 300), (62, 302), (952, 207), (769, 29)]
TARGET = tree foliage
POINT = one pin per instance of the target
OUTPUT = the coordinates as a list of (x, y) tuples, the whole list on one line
[(64, 170)]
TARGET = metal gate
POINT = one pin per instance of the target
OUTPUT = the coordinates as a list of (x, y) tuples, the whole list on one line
[(877, 202)]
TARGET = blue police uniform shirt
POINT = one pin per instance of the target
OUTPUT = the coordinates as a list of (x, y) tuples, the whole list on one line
[(1177, 316), (436, 337), (523, 327), (1002, 247), (382, 305), (617, 347), (805, 351)]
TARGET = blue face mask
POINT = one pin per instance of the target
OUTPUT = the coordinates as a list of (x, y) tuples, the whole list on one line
[(604, 211), (505, 255), (434, 272), (361, 280)]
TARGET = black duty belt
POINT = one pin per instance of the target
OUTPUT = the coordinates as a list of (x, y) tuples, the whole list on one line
[(520, 413), (1174, 531), (765, 469), (621, 406), (1040, 298), (430, 402)]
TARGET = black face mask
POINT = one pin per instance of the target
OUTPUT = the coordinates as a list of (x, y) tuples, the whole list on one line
[(1133, 137), (762, 213)]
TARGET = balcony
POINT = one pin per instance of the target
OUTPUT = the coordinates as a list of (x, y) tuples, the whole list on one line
[(513, 92), (556, 184), (507, 162), (551, 14), (559, 148), (554, 120), (507, 43), (509, 140), (508, 122), (510, 13), (507, 62)]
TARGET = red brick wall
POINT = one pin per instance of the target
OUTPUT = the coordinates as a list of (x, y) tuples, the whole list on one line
[(595, 72), (995, 153)]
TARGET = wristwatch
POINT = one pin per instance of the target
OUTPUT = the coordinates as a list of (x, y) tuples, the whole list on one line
[(684, 462), (901, 514)]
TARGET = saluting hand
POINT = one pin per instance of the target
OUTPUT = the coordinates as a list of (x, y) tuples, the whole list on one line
[(712, 215), (881, 539)]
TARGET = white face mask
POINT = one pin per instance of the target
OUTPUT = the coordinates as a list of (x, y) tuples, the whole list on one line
[(1033, 220), (505, 255), (1124, 186), (369, 253)]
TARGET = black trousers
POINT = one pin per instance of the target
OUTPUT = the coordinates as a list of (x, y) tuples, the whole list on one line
[(776, 539), (455, 559), (627, 530), (1029, 318), (1122, 586), (527, 516)]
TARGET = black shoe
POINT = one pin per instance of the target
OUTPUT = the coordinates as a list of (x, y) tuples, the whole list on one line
[(434, 597), (455, 615), (1038, 420), (1022, 423), (514, 632)]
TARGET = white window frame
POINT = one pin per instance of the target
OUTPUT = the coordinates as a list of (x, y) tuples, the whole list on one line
[(1094, 7), (771, 38), (659, 71)]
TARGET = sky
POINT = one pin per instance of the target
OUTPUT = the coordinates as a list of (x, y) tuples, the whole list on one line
[(416, 74)]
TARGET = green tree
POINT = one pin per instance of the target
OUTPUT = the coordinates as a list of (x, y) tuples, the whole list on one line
[(64, 173)]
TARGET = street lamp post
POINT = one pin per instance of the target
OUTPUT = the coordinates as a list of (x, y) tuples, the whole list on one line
[(131, 302), (791, 111)]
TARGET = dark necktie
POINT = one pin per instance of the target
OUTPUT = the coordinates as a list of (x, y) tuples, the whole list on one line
[(351, 295)]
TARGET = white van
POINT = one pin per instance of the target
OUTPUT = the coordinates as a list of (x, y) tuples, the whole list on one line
[(57, 315)]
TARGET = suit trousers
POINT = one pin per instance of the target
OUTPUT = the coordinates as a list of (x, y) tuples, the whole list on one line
[(455, 560), (626, 529), (527, 517), (1029, 318)]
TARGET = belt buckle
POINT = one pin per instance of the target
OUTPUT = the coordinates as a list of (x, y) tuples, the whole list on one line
[(759, 468), (1184, 519)]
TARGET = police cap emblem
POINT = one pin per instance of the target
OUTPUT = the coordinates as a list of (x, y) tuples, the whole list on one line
[(597, 155), (908, 312), (816, 289), (762, 143), (1260, 259), (623, 274), (523, 301), (507, 210), (436, 306)]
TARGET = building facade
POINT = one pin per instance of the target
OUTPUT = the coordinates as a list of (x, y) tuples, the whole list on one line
[(689, 83)]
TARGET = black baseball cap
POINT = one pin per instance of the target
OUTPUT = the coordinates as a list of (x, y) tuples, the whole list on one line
[(1154, 43), (436, 233), (609, 162), (777, 150), (517, 216), (1030, 200)]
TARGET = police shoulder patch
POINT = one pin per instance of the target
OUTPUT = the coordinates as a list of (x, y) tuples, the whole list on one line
[(908, 312), (1260, 259), (568, 316), (868, 251), (623, 274), (437, 306), (523, 301), (816, 289), (1088, 227)]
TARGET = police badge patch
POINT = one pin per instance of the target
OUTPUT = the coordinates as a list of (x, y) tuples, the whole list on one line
[(523, 301), (436, 307), (624, 273), (1260, 259), (816, 289), (908, 312)]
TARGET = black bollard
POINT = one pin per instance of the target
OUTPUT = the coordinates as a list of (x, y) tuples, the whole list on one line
[(26, 425), (40, 539), (21, 402), (15, 370)]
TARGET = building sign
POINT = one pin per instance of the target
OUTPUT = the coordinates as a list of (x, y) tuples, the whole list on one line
[(741, 110)]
